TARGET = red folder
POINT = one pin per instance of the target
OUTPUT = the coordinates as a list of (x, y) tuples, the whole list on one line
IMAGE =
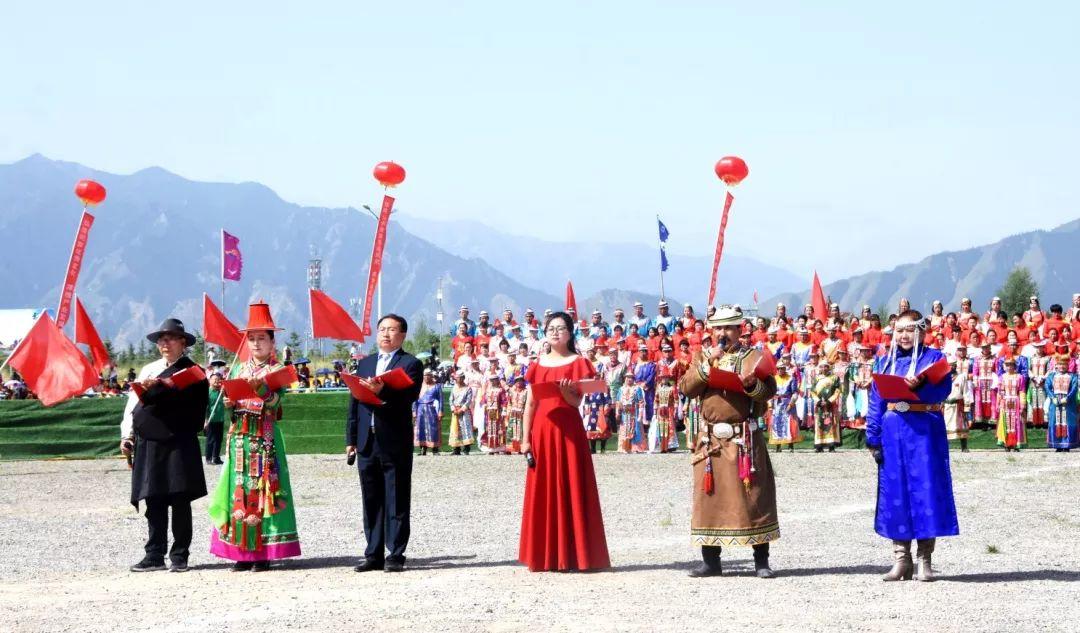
[(596, 385), (894, 388), (937, 372), (280, 378), (542, 390), (360, 392), (396, 379), (186, 378), (723, 379), (239, 389), (766, 366)]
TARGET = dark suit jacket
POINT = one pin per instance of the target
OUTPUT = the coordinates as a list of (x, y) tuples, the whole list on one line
[(393, 419)]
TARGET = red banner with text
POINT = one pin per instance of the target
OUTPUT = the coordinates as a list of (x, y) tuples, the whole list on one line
[(376, 260), (74, 266), (728, 199)]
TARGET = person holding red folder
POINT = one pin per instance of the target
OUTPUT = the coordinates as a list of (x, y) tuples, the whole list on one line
[(253, 508), (380, 435), (562, 525), (159, 432), (905, 432)]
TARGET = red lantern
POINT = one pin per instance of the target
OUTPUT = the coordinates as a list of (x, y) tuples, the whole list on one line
[(732, 170), (389, 173), (91, 193)]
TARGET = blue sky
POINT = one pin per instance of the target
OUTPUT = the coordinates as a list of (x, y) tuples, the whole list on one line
[(936, 125)]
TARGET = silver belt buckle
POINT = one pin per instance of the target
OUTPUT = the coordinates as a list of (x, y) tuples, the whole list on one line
[(902, 406), (723, 430)]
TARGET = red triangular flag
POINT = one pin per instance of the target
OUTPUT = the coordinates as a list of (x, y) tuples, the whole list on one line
[(51, 365), (86, 333), (330, 320), (571, 302), (219, 330), (817, 299)]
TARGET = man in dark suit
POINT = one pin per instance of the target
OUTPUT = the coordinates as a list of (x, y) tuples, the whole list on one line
[(382, 438)]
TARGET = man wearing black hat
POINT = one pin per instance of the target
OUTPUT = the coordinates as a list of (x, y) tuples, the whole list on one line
[(161, 428)]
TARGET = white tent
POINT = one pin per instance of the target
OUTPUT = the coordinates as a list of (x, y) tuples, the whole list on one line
[(14, 324)]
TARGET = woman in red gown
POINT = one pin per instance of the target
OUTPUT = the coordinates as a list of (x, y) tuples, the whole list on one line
[(562, 527)]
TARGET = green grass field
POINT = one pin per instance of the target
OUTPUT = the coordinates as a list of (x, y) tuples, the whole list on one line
[(314, 423)]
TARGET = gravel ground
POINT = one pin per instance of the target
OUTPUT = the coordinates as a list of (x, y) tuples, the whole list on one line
[(67, 536)]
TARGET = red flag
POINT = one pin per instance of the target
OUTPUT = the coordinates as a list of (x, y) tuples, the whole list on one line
[(375, 269), (817, 299), (51, 365), (78, 251), (219, 330), (330, 320), (728, 199), (86, 333), (571, 302)]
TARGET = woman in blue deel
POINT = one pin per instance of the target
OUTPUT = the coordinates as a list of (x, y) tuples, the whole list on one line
[(907, 439)]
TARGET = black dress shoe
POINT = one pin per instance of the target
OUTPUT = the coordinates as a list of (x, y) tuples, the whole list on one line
[(261, 566), (705, 570), (178, 567), (218, 462), (148, 565), (392, 566), (369, 564), (241, 566)]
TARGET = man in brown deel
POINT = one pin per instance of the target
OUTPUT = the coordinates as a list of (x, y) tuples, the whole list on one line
[(734, 490)]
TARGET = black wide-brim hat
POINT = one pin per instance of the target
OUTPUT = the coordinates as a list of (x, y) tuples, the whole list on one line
[(172, 326)]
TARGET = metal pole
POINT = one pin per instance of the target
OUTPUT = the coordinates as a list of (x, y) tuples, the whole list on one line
[(661, 244)]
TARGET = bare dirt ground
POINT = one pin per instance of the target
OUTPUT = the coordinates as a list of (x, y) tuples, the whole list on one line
[(67, 536)]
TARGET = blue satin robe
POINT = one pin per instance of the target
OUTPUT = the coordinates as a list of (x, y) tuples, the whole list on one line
[(915, 492)]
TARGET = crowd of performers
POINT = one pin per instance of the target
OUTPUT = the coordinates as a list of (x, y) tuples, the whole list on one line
[(1013, 373)]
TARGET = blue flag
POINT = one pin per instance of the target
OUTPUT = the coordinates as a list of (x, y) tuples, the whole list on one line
[(663, 258), (663, 231)]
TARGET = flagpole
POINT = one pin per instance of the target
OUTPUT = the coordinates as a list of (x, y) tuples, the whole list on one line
[(660, 243), (221, 348), (236, 359)]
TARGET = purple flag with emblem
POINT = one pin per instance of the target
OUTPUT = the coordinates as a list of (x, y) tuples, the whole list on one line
[(231, 261)]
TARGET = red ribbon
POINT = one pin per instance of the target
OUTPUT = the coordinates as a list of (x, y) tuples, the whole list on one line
[(728, 199), (73, 268), (376, 260)]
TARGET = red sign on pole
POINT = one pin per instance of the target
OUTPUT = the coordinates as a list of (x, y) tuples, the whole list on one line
[(728, 199), (74, 266), (376, 260)]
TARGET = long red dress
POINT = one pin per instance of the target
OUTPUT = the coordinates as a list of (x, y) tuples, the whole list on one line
[(562, 526)]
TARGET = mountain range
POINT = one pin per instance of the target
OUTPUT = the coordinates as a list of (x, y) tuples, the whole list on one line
[(155, 249), (595, 265), (976, 272)]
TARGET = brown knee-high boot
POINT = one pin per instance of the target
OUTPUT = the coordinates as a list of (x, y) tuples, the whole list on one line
[(902, 568), (922, 557)]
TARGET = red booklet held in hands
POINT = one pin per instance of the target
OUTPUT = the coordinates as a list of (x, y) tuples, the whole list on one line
[(396, 378), (543, 390), (238, 389), (894, 388), (280, 378), (723, 379), (766, 366), (359, 391), (185, 378), (937, 372)]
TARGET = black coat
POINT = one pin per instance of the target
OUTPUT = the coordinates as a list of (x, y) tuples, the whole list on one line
[(167, 421), (393, 419)]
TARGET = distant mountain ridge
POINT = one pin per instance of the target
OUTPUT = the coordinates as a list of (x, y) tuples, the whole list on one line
[(976, 272), (599, 265)]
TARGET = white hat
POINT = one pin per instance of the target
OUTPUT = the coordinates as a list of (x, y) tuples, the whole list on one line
[(662, 304), (638, 304), (726, 315), (780, 305), (465, 308)]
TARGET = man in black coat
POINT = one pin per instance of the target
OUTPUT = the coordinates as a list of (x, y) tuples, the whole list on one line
[(161, 427), (382, 437)]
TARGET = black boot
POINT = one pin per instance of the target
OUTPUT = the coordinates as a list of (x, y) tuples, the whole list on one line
[(603, 446), (832, 448), (423, 451), (779, 448), (592, 446), (791, 448), (457, 450), (710, 565), (761, 561), (819, 449), (467, 447), (963, 445)]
